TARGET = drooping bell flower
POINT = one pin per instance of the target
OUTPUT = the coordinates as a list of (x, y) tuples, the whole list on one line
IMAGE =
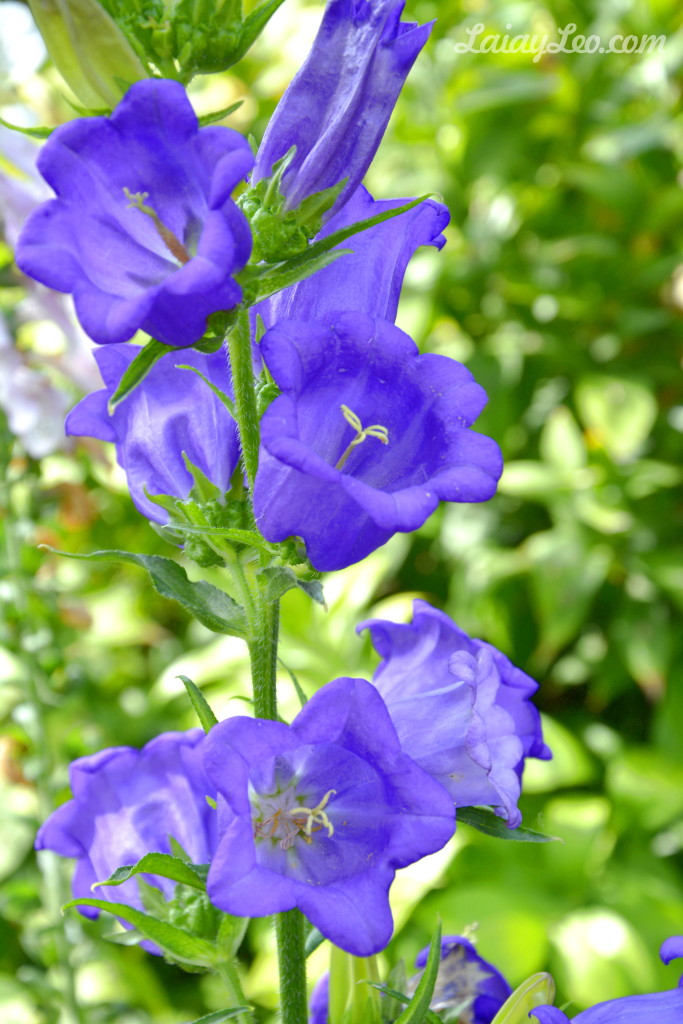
[(127, 803), (320, 814), (170, 412), (369, 279), (462, 710), (143, 232), (337, 107), (366, 437), (654, 1008)]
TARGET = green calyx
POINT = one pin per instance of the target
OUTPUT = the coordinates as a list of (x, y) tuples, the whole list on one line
[(184, 38), (280, 233)]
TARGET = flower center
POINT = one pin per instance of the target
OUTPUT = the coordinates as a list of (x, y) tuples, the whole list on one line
[(376, 430), (136, 201), (286, 824)]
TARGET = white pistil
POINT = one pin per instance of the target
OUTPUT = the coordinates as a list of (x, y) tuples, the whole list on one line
[(376, 430), (136, 201)]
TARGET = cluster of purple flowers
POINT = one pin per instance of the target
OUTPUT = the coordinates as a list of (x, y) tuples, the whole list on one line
[(320, 814), (367, 435)]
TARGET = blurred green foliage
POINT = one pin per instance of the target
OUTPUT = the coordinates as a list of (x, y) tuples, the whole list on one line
[(562, 289)]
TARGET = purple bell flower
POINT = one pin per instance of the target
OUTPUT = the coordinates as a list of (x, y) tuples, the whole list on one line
[(127, 803), (337, 107), (461, 709), (465, 980), (464, 975), (320, 814), (369, 279), (655, 1008), (170, 412), (359, 379), (143, 232)]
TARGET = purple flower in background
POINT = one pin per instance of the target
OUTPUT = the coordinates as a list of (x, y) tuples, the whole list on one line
[(143, 232), (369, 279), (655, 1008), (337, 107), (465, 980), (170, 412), (352, 380), (466, 983), (320, 814), (461, 709), (127, 803)]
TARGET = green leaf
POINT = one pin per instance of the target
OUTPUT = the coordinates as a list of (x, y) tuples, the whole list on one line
[(231, 931), (491, 825), (157, 864), (218, 115), (150, 354), (393, 994), (418, 1008), (254, 24), (280, 578), (214, 609), (35, 133), (200, 705), (220, 1015), (303, 699), (248, 537), (182, 947)]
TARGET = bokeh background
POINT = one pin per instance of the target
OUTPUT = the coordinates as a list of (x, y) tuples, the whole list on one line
[(562, 289)]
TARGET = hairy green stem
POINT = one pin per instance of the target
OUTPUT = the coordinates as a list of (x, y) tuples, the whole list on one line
[(244, 384), (292, 963)]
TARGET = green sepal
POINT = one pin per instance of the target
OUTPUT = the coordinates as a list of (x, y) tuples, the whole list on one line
[(200, 704), (214, 609), (417, 1010), (394, 995), (314, 939), (183, 948), (231, 932), (277, 580), (35, 133), (303, 699), (538, 990), (138, 369), (162, 864), (218, 115), (220, 395), (491, 825), (395, 985)]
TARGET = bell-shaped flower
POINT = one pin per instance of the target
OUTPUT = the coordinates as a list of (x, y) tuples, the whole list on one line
[(466, 985), (127, 803), (337, 107), (654, 1008), (171, 412), (143, 232), (368, 279), (366, 437), (461, 709), (320, 814)]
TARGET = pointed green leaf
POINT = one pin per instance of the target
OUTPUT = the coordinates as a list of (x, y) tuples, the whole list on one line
[(491, 825), (138, 370), (303, 699), (182, 947), (248, 537), (157, 864), (254, 24), (418, 1008), (218, 115), (231, 931), (35, 133), (538, 990), (200, 705), (393, 994), (220, 1015), (214, 609), (314, 939)]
